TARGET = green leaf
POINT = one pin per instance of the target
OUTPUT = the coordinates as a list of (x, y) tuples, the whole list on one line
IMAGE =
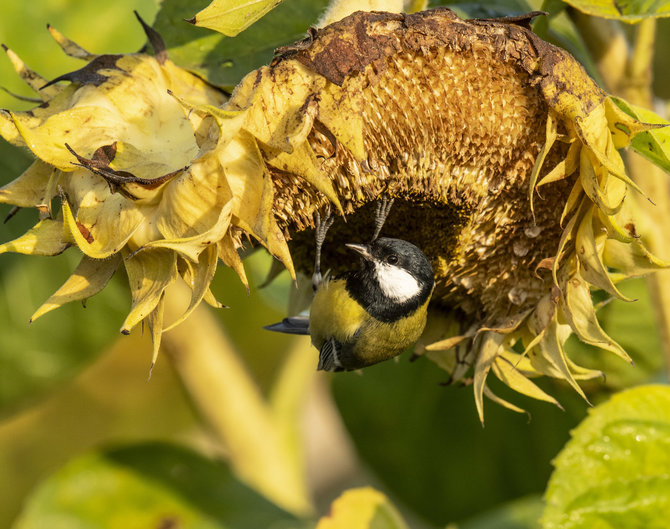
[(523, 513), (224, 61), (151, 485), (434, 455), (624, 10), (363, 508), (231, 17), (654, 144), (615, 471)]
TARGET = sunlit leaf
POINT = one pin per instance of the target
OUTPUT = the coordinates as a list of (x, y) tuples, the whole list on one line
[(151, 485), (363, 508), (230, 17), (523, 513), (654, 145), (224, 61), (615, 472)]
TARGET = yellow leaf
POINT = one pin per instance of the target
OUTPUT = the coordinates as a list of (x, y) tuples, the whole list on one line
[(230, 17), (491, 345), (228, 254), (33, 189), (155, 324), (45, 238), (302, 162), (552, 350), (363, 508), (609, 199), (502, 402), (149, 273), (550, 137), (31, 78), (632, 259), (89, 278), (104, 222), (198, 279), (588, 247), (69, 47), (581, 315), (509, 375)]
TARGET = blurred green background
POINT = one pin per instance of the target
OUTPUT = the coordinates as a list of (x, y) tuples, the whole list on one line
[(69, 383)]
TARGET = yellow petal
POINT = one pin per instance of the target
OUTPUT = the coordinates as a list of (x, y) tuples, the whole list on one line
[(89, 278), (149, 274), (229, 255), (553, 352), (581, 315), (588, 247), (609, 199), (8, 129), (565, 167), (491, 345), (193, 202), (155, 324), (302, 162), (632, 259), (198, 279), (253, 195), (103, 222), (45, 238), (281, 106), (33, 189), (550, 137), (191, 247), (501, 402), (509, 375), (343, 117), (363, 508), (31, 78), (69, 47), (447, 343)]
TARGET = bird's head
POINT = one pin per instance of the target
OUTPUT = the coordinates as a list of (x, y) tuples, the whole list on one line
[(399, 269)]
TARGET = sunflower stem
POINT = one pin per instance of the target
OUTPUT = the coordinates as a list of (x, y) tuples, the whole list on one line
[(636, 88), (263, 445)]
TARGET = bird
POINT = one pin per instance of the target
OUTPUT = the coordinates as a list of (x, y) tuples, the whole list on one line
[(371, 313)]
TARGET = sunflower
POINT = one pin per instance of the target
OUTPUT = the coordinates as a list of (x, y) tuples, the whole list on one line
[(498, 148)]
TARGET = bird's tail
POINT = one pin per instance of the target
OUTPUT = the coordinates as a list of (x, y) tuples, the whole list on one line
[(292, 325)]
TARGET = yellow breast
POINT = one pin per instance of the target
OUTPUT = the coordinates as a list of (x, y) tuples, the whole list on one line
[(335, 314)]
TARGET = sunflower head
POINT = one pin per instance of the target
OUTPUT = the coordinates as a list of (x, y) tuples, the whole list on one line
[(499, 150)]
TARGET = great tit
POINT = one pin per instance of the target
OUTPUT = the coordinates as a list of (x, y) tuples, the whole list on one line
[(365, 316)]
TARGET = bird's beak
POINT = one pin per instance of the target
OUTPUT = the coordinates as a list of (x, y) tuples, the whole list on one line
[(362, 249)]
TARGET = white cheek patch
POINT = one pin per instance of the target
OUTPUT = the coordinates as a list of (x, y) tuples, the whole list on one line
[(396, 283)]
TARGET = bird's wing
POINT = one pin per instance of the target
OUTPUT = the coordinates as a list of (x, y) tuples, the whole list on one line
[(329, 356), (292, 325)]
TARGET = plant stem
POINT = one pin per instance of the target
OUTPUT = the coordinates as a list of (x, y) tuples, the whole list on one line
[(636, 88), (607, 43), (224, 393)]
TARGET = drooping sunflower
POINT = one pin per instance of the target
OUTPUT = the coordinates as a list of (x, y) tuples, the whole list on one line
[(500, 152)]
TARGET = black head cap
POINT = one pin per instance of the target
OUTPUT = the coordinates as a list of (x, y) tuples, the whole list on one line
[(379, 257)]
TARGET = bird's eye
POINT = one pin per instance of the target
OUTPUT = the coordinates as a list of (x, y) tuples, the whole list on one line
[(392, 259)]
